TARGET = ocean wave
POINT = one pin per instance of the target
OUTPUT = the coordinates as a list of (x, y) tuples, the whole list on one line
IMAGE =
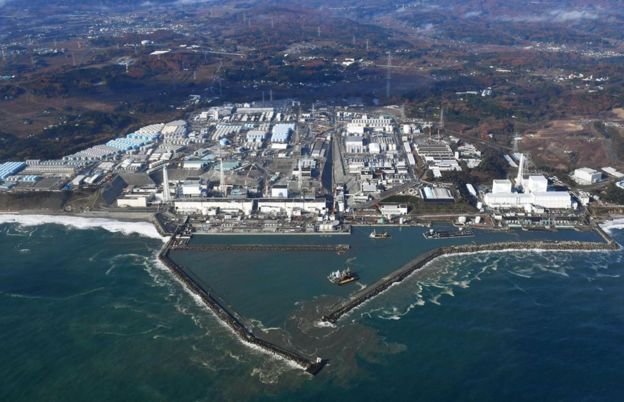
[(443, 276), (323, 324), (36, 297), (260, 325), (199, 302), (614, 224), (127, 334), (145, 229)]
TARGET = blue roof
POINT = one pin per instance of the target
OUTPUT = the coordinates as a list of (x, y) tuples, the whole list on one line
[(10, 168)]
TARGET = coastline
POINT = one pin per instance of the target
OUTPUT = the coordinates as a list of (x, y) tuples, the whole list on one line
[(142, 225), (127, 224)]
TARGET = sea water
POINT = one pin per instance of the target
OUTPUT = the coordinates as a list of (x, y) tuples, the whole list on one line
[(88, 313)]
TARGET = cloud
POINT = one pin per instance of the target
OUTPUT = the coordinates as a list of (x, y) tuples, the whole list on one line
[(556, 15), (472, 14), (185, 2), (573, 15)]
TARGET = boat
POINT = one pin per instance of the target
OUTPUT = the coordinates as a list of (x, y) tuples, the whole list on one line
[(381, 235), (342, 277), (448, 234)]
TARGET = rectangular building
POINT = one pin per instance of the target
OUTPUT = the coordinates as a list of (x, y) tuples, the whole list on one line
[(587, 176)]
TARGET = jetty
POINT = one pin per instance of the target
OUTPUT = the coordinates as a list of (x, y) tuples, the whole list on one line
[(311, 366), (417, 263), (185, 246)]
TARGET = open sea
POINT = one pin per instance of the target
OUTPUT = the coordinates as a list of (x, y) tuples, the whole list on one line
[(88, 313)]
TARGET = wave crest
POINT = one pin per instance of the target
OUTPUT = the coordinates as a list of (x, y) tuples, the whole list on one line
[(145, 229)]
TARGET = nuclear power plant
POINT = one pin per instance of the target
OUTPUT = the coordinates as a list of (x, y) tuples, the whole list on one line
[(528, 192)]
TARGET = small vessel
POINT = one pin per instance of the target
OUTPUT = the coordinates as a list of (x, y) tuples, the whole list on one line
[(342, 277), (448, 234), (381, 235)]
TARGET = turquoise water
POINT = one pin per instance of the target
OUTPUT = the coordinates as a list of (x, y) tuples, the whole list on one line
[(90, 315)]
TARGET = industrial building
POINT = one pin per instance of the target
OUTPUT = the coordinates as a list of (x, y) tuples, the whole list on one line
[(531, 193), (10, 168), (174, 129), (193, 187), (292, 206), (438, 156), (586, 176), (393, 210), (279, 191), (134, 201), (208, 206), (281, 132), (256, 137), (379, 124), (612, 172), (436, 194), (354, 145), (194, 164)]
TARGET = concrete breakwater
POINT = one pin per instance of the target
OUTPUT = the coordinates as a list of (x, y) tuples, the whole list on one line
[(339, 248), (406, 270), (227, 317)]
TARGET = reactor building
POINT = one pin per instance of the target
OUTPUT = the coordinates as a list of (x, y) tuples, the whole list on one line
[(529, 192)]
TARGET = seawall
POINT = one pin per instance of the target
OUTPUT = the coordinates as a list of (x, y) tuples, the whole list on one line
[(227, 317), (338, 248), (417, 263)]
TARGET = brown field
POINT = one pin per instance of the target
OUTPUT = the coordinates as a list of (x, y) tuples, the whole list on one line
[(619, 112), (567, 144)]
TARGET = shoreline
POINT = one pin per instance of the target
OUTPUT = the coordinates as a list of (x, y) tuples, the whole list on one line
[(126, 223), (140, 225), (129, 216)]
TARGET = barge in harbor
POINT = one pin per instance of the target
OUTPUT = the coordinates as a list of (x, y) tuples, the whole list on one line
[(448, 234)]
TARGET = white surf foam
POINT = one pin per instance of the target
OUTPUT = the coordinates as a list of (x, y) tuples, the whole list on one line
[(323, 324), (615, 224), (145, 229)]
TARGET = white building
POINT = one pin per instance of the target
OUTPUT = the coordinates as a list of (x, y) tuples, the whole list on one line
[(534, 195), (194, 164), (133, 201), (552, 199), (507, 200), (374, 148), (192, 188), (279, 191), (501, 186), (291, 206), (526, 201), (587, 176), (356, 129), (174, 129), (204, 206), (383, 124), (281, 132), (354, 145), (392, 210), (256, 136)]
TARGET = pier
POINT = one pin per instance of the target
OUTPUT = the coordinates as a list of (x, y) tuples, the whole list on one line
[(229, 318), (417, 263), (338, 248)]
